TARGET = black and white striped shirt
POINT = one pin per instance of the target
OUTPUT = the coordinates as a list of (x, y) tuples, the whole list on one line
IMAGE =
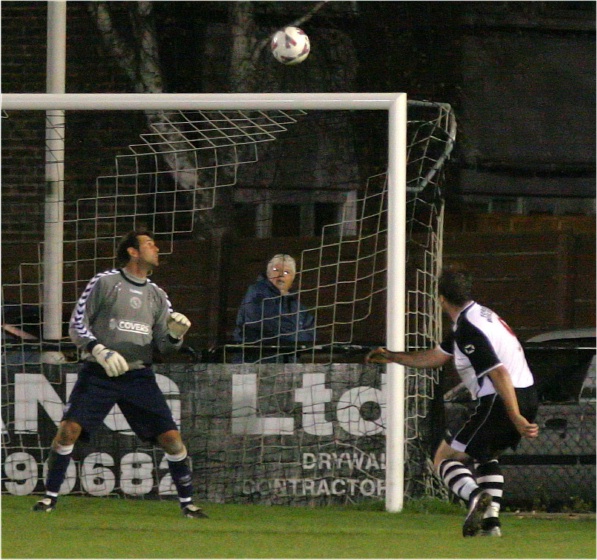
[(481, 341)]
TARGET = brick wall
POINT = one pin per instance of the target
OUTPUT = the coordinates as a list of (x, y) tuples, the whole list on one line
[(557, 270), (90, 150), (452, 64), (536, 281), (23, 70)]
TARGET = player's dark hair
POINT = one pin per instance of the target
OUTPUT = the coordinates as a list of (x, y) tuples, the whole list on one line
[(131, 239), (456, 285)]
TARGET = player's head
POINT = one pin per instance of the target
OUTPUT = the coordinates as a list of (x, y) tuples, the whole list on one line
[(281, 270), (456, 286), (130, 245)]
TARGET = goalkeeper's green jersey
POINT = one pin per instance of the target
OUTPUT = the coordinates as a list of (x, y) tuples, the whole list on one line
[(124, 313)]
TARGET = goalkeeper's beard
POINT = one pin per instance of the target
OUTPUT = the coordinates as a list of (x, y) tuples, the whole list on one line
[(156, 265), (151, 266)]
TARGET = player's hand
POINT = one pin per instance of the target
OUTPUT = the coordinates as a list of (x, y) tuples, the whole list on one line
[(178, 325), (110, 360), (378, 356), (525, 428)]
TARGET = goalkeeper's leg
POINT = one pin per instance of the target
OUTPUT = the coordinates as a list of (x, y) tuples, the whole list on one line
[(180, 470), (58, 461)]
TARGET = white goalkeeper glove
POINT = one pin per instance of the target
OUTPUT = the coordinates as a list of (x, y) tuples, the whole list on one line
[(110, 360), (178, 325)]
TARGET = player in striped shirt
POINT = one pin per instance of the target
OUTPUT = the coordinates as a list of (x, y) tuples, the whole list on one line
[(491, 363), (116, 322)]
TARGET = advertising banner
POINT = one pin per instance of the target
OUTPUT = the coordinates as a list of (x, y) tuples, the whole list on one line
[(275, 433)]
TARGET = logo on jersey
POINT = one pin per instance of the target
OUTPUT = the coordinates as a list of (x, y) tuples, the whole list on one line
[(135, 302), (487, 314), (469, 349), (133, 326)]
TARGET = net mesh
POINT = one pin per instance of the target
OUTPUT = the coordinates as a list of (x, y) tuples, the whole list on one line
[(169, 181)]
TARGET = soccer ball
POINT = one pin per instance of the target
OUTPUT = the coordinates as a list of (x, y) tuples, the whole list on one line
[(290, 45)]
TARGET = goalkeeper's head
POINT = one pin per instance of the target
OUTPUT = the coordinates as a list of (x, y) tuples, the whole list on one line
[(455, 285), (130, 241)]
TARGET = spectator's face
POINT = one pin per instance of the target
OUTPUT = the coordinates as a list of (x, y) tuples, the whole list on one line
[(281, 275)]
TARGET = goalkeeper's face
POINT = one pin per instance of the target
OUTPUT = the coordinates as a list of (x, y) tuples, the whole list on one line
[(148, 251)]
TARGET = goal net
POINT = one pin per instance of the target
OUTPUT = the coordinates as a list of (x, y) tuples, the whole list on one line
[(279, 419)]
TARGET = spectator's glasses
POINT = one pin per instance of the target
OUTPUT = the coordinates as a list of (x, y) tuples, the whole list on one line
[(278, 271)]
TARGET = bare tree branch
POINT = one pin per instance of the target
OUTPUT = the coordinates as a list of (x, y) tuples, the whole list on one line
[(123, 54), (150, 72), (298, 22), (242, 64), (143, 70)]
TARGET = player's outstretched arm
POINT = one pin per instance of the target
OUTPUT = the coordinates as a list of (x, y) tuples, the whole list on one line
[(432, 358), (378, 356)]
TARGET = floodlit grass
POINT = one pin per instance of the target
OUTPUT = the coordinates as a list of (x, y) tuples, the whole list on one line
[(84, 527)]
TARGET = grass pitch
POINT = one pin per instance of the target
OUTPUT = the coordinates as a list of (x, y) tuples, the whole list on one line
[(85, 527)]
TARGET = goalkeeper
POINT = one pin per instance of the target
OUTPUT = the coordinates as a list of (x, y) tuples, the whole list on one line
[(492, 365), (116, 322)]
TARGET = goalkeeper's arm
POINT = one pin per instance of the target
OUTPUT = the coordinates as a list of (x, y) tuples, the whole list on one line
[(169, 331), (432, 358), (178, 325), (110, 360)]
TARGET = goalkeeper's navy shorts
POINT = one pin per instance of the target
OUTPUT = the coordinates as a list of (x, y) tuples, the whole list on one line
[(489, 431), (136, 393)]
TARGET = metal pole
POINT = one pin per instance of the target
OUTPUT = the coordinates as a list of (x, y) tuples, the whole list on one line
[(54, 202), (396, 304), (197, 101), (396, 105)]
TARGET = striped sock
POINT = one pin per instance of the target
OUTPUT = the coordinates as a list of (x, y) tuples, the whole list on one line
[(491, 479), (458, 478)]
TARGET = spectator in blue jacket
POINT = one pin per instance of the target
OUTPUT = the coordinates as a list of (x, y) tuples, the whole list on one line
[(271, 315)]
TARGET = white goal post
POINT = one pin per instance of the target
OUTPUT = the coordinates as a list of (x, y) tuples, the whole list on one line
[(396, 106)]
